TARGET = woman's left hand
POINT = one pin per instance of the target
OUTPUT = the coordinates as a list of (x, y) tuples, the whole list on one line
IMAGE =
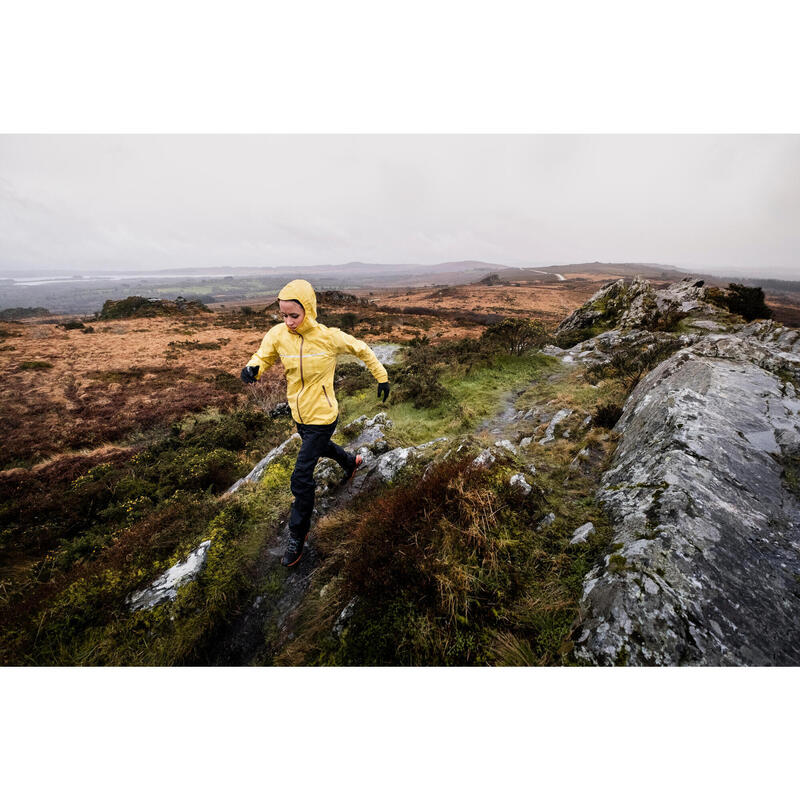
[(383, 388)]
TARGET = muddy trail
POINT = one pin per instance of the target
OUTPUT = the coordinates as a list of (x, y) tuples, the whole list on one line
[(267, 621), (245, 640)]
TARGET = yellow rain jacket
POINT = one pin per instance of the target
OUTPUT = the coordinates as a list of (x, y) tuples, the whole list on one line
[(309, 358)]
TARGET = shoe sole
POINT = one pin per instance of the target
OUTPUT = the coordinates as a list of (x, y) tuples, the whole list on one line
[(359, 462), (301, 553)]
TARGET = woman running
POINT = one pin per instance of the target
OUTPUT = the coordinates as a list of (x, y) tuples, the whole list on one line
[(308, 352)]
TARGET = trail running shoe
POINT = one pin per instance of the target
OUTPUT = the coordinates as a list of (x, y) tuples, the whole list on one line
[(294, 550), (359, 461)]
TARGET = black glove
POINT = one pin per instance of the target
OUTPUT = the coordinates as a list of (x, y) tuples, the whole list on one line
[(249, 374), (383, 388)]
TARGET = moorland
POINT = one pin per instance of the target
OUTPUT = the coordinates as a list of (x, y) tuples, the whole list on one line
[(122, 431)]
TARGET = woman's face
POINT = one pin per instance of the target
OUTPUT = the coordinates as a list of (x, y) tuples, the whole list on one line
[(293, 313)]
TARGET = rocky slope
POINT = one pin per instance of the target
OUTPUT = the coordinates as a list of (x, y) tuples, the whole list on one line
[(702, 493)]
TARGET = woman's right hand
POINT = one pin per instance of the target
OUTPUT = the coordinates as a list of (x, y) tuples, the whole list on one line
[(249, 374)]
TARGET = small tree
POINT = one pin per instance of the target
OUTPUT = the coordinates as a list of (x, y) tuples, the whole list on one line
[(747, 301), (348, 321), (516, 335)]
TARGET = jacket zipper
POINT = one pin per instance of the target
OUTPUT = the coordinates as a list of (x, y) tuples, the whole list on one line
[(302, 382), (326, 396)]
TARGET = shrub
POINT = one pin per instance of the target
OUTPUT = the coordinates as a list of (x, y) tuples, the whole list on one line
[(136, 306), (419, 382), (351, 377), (268, 391), (569, 338), (630, 363), (348, 321), (227, 382), (607, 415), (439, 565), (434, 537), (516, 336), (25, 365), (747, 301), (668, 318), (22, 313), (173, 348)]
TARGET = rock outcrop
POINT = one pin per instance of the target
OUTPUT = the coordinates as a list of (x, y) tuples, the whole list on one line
[(703, 496), (639, 305)]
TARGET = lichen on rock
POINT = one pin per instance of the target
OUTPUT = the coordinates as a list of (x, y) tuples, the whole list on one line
[(706, 531)]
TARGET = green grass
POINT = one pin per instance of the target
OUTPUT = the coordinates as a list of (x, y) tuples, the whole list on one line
[(477, 396), (569, 388)]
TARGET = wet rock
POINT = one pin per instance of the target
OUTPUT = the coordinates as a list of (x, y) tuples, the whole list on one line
[(484, 459), (546, 521), (381, 469), (166, 586), (580, 458), (370, 442), (580, 535), (291, 445), (344, 617), (280, 410), (558, 418), (600, 349), (706, 529), (595, 307), (706, 325), (518, 482), (387, 353), (371, 434), (506, 445)]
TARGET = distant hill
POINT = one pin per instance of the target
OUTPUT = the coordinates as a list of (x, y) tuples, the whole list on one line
[(646, 270), (551, 273)]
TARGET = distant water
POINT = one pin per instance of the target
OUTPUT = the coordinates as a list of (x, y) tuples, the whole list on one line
[(134, 277)]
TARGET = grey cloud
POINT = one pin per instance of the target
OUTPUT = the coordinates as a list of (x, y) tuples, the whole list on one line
[(88, 202)]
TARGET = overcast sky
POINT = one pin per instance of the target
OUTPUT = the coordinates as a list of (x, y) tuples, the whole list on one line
[(127, 202)]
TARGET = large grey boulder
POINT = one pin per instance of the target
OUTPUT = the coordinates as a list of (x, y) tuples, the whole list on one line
[(705, 565)]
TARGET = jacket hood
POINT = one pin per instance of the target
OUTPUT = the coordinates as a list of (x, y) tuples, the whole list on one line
[(302, 291)]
